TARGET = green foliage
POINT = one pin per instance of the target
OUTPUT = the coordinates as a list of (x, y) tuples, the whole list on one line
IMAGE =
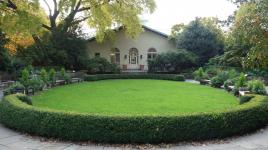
[(134, 129), (245, 99), (229, 82), (223, 77), (200, 74), (62, 72), (44, 75), (14, 88), (217, 82), (257, 87), (246, 44), (36, 83), (98, 77), (101, 65), (179, 78), (25, 99), (172, 62), (25, 19), (52, 76), (241, 82), (200, 38), (5, 61), (25, 78)]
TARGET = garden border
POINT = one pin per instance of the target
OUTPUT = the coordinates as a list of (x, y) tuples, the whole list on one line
[(133, 129)]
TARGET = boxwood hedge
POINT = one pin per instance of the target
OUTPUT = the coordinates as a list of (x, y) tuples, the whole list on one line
[(173, 77), (133, 129)]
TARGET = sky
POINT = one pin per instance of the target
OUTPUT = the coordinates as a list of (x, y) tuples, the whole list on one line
[(171, 12)]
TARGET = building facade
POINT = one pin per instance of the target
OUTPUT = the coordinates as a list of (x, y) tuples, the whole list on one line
[(132, 54)]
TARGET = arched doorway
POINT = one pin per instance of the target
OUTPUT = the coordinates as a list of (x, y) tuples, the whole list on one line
[(133, 58)]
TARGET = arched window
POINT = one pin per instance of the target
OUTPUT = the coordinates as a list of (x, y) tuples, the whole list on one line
[(152, 53), (115, 56)]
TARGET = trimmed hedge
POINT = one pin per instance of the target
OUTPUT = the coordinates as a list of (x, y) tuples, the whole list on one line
[(98, 77), (133, 129)]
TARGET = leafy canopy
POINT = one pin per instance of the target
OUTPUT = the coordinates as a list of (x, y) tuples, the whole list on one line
[(101, 15)]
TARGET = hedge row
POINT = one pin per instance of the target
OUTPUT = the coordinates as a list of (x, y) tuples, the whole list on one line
[(98, 77), (133, 129)]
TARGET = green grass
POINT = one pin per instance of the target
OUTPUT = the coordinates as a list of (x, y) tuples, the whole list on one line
[(136, 97)]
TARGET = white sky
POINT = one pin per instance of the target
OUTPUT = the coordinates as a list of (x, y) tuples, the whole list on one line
[(171, 12)]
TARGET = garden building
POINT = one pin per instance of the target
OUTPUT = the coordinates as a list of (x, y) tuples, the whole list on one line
[(132, 54)]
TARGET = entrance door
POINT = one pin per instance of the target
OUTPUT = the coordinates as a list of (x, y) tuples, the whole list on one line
[(133, 59)]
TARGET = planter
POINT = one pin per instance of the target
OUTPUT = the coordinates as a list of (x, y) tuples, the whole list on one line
[(141, 67), (124, 67)]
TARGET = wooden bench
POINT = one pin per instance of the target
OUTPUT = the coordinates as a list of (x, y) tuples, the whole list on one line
[(204, 82), (60, 82), (243, 93), (76, 80)]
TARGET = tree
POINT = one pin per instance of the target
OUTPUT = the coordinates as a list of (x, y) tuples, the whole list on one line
[(173, 61), (21, 17), (248, 39), (203, 38), (4, 56), (101, 15)]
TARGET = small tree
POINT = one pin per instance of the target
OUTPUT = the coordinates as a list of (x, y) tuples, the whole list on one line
[(52, 76), (241, 82), (44, 76), (62, 72), (200, 74), (25, 78)]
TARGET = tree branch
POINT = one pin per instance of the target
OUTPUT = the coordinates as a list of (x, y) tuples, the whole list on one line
[(55, 7), (49, 9), (9, 4), (46, 27), (83, 9), (79, 20)]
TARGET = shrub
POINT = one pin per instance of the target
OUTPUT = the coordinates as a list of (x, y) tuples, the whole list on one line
[(241, 82), (179, 78), (229, 82), (212, 71), (25, 99), (257, 87), (245, 99), (219, 80), (216, 82), (133, 129), (101, 65), (200, 74), (172, 61), (36, 83), (14, 88), (173, 77)]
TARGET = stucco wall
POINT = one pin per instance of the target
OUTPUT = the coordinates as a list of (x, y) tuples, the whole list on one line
[(146, 40)]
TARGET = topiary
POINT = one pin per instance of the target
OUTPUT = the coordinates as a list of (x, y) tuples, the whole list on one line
[(43, 75), (245, 99), (52, 76), (25, 99), (179, 78)]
